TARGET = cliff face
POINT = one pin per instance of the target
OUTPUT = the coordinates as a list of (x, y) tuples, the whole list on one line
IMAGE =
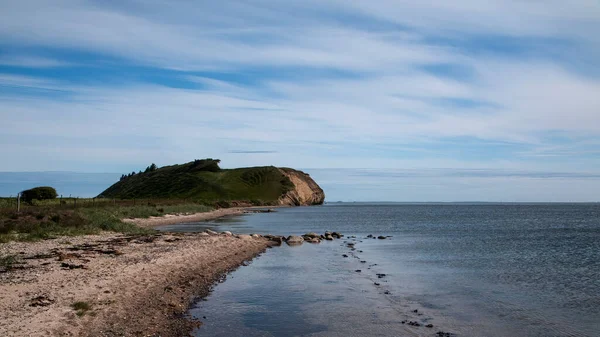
[(305, 192)]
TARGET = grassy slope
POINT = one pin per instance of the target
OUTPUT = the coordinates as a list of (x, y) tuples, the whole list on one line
[(265, 184)]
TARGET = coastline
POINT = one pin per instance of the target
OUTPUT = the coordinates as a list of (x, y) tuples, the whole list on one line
[(172, 219), (131, 285)]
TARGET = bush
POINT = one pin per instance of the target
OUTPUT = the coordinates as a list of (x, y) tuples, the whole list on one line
[(39, 193)]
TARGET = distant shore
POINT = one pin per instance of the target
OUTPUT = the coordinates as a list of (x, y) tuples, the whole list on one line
[(172, 219), (114, 284)]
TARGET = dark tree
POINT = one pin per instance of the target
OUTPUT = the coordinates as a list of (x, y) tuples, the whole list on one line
[(39, 193)]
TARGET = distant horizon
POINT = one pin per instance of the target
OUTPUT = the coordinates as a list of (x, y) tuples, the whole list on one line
[(464, 100), (360, 185)]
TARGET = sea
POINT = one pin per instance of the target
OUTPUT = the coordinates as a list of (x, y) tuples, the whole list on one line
[(442, 270)]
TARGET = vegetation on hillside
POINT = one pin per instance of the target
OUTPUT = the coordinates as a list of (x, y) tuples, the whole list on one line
[(203, 181)]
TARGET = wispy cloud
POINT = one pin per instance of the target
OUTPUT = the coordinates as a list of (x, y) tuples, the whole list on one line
[(251, 151), (501, 84)]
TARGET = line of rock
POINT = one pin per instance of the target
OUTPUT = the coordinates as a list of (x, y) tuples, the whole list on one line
[(291, 240)]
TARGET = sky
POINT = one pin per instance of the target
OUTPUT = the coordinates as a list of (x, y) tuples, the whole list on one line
[(377, 100)]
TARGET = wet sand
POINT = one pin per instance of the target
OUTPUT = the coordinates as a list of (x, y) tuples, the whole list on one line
[(133, 285)]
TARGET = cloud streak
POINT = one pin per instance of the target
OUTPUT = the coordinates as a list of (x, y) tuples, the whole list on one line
[(382, 84)]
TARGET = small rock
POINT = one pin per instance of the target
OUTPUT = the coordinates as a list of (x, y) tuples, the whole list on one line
[(429, 325), (312, 240), (294, 240), (345, 255), (72, 266), (377, 284), (358, 270), (312, 235), (381, 237), (228, 233), (210, 232), (41, 301)]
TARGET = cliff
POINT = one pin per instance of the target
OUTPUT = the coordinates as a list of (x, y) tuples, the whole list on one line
[(205, 182), (305, 192)]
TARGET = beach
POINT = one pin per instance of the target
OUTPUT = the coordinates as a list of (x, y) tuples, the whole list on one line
[(172, 219), (113, 284)]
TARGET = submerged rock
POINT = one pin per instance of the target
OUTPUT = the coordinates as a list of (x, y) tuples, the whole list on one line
[(294, 240), (312, 240), (312, 235), (275, 238)]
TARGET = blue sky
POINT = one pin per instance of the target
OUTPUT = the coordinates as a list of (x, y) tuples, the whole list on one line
[(374, 87)]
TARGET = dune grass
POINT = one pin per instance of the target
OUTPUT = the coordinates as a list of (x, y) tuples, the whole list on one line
[(45, 222)]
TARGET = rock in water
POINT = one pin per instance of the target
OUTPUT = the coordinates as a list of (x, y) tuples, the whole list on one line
[(381, 237), (277, 239), (312, 235), (294, 240), (313, 240)]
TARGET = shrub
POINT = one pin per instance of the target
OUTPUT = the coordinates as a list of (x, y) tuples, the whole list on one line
[(81, 307), (39, 193)]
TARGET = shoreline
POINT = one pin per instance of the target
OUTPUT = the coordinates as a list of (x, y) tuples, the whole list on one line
[(129, 285), (172, 219)]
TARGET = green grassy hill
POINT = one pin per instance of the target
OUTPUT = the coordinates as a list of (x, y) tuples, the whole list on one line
[(203, 181)]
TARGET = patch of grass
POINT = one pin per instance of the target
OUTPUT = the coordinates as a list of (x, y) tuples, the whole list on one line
[(40, 223), (81, 307), (7, 262)]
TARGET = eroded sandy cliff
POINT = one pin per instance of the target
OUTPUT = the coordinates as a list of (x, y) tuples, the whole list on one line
[(306, 192)]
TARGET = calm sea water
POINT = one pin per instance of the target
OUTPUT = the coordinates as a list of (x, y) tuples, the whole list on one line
[(472, 270)]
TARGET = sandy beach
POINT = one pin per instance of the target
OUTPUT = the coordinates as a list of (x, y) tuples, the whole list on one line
[(171, 219), (125, 285)]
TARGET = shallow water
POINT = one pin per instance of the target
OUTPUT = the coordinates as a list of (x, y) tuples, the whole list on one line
[(474, 270)]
